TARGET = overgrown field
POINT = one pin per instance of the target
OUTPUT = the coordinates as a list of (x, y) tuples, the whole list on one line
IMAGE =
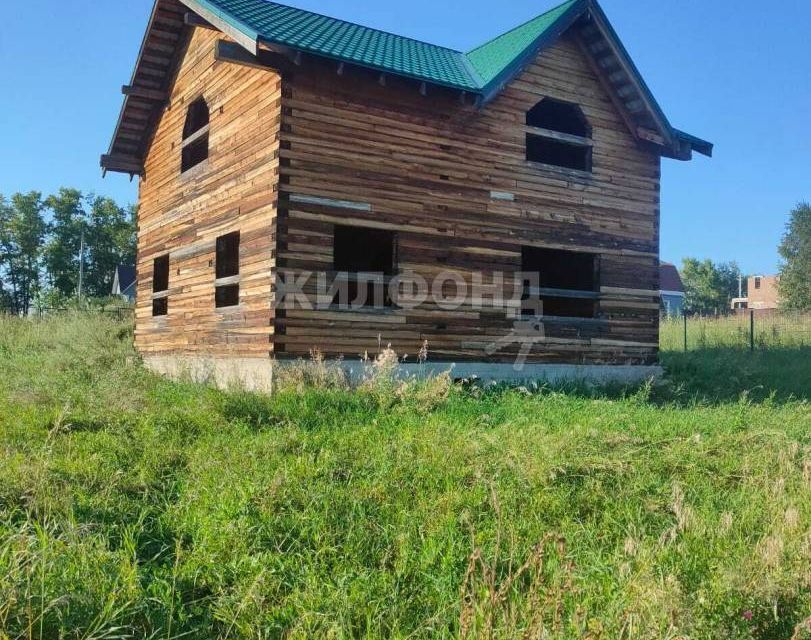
[(135, 507)]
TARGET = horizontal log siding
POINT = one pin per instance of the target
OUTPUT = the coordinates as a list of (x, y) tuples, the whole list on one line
[(427, 166), (236, 190)]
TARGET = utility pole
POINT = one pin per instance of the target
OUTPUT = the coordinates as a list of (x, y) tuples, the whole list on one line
[(740, 285), (81, 264)]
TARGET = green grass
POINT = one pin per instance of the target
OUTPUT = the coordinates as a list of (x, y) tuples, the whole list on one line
[(783, 330), (135, 507)]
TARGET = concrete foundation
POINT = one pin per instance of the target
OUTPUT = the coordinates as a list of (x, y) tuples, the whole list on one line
[(256, 374), (489, 372), (253, 374)]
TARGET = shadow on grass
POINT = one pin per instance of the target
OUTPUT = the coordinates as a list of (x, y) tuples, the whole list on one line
[(723, 375)]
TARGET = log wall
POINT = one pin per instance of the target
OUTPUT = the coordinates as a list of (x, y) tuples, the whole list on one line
[(234, 190), (427, 167)]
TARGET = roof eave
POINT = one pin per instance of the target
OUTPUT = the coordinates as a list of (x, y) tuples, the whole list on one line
[(696, 144), (676, 144), (655, 109), (685, 144), (493, 88), (239, 31), (106, 162)]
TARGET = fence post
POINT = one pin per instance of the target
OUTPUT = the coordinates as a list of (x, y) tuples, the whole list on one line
[(752, 330), (684, 315)]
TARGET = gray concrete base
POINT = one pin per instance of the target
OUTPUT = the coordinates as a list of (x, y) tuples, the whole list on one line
[(488, 372), (256, 374), (252, 374)]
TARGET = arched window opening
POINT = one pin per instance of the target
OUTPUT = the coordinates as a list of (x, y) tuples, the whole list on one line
[(562, 117), (559, 135), (195, 135)]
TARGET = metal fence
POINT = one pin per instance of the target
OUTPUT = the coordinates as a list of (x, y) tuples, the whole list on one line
[(751, 330)]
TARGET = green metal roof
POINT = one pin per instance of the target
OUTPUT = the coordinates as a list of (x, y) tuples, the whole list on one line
[(483, 72), (492, 58), (313, 33), (333, 38)]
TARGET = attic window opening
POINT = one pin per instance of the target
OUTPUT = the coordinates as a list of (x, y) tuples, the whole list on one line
[(226, 290), (559, 135), (567, 283), (195, 135), (366, 258), (160, 286)]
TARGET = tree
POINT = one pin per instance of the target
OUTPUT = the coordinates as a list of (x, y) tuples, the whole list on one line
[(730, 278), (62, 248), (6, 252), (795, 270), (5, 299), (22, 230), (109, 240), (709, 288)]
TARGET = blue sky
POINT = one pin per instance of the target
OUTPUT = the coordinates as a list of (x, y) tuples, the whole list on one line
[(735, 72)]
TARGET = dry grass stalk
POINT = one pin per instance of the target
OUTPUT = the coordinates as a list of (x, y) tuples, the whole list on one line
[(315, 373), (527, 602)]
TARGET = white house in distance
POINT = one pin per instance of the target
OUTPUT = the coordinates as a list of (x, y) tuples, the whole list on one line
[(671, 290)]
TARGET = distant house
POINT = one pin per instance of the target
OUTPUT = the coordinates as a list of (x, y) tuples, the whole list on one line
[(124, 282), (763, 294), (671, 290)]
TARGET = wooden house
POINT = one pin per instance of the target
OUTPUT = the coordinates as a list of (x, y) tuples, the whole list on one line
[(274, 145)]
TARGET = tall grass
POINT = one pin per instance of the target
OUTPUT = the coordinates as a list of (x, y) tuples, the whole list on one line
[(785, 330), (133, 507)]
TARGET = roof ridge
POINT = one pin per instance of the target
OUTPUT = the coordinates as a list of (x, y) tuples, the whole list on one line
[(363, 26), (474, 74), (521, 26)]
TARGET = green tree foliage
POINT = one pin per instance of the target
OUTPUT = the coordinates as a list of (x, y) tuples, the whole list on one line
[(110, 241), (709, 287), (40, 245), (109, 237), (795, 272), (62, 248), (22, 232)]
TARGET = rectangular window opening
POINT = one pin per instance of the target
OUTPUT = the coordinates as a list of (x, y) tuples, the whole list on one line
[(160, 284), (194, 153), (228, 255), (160, 307), (359, 250), (160, 274), (226, 296), (568, 282), (227, 266), (559, 154)]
